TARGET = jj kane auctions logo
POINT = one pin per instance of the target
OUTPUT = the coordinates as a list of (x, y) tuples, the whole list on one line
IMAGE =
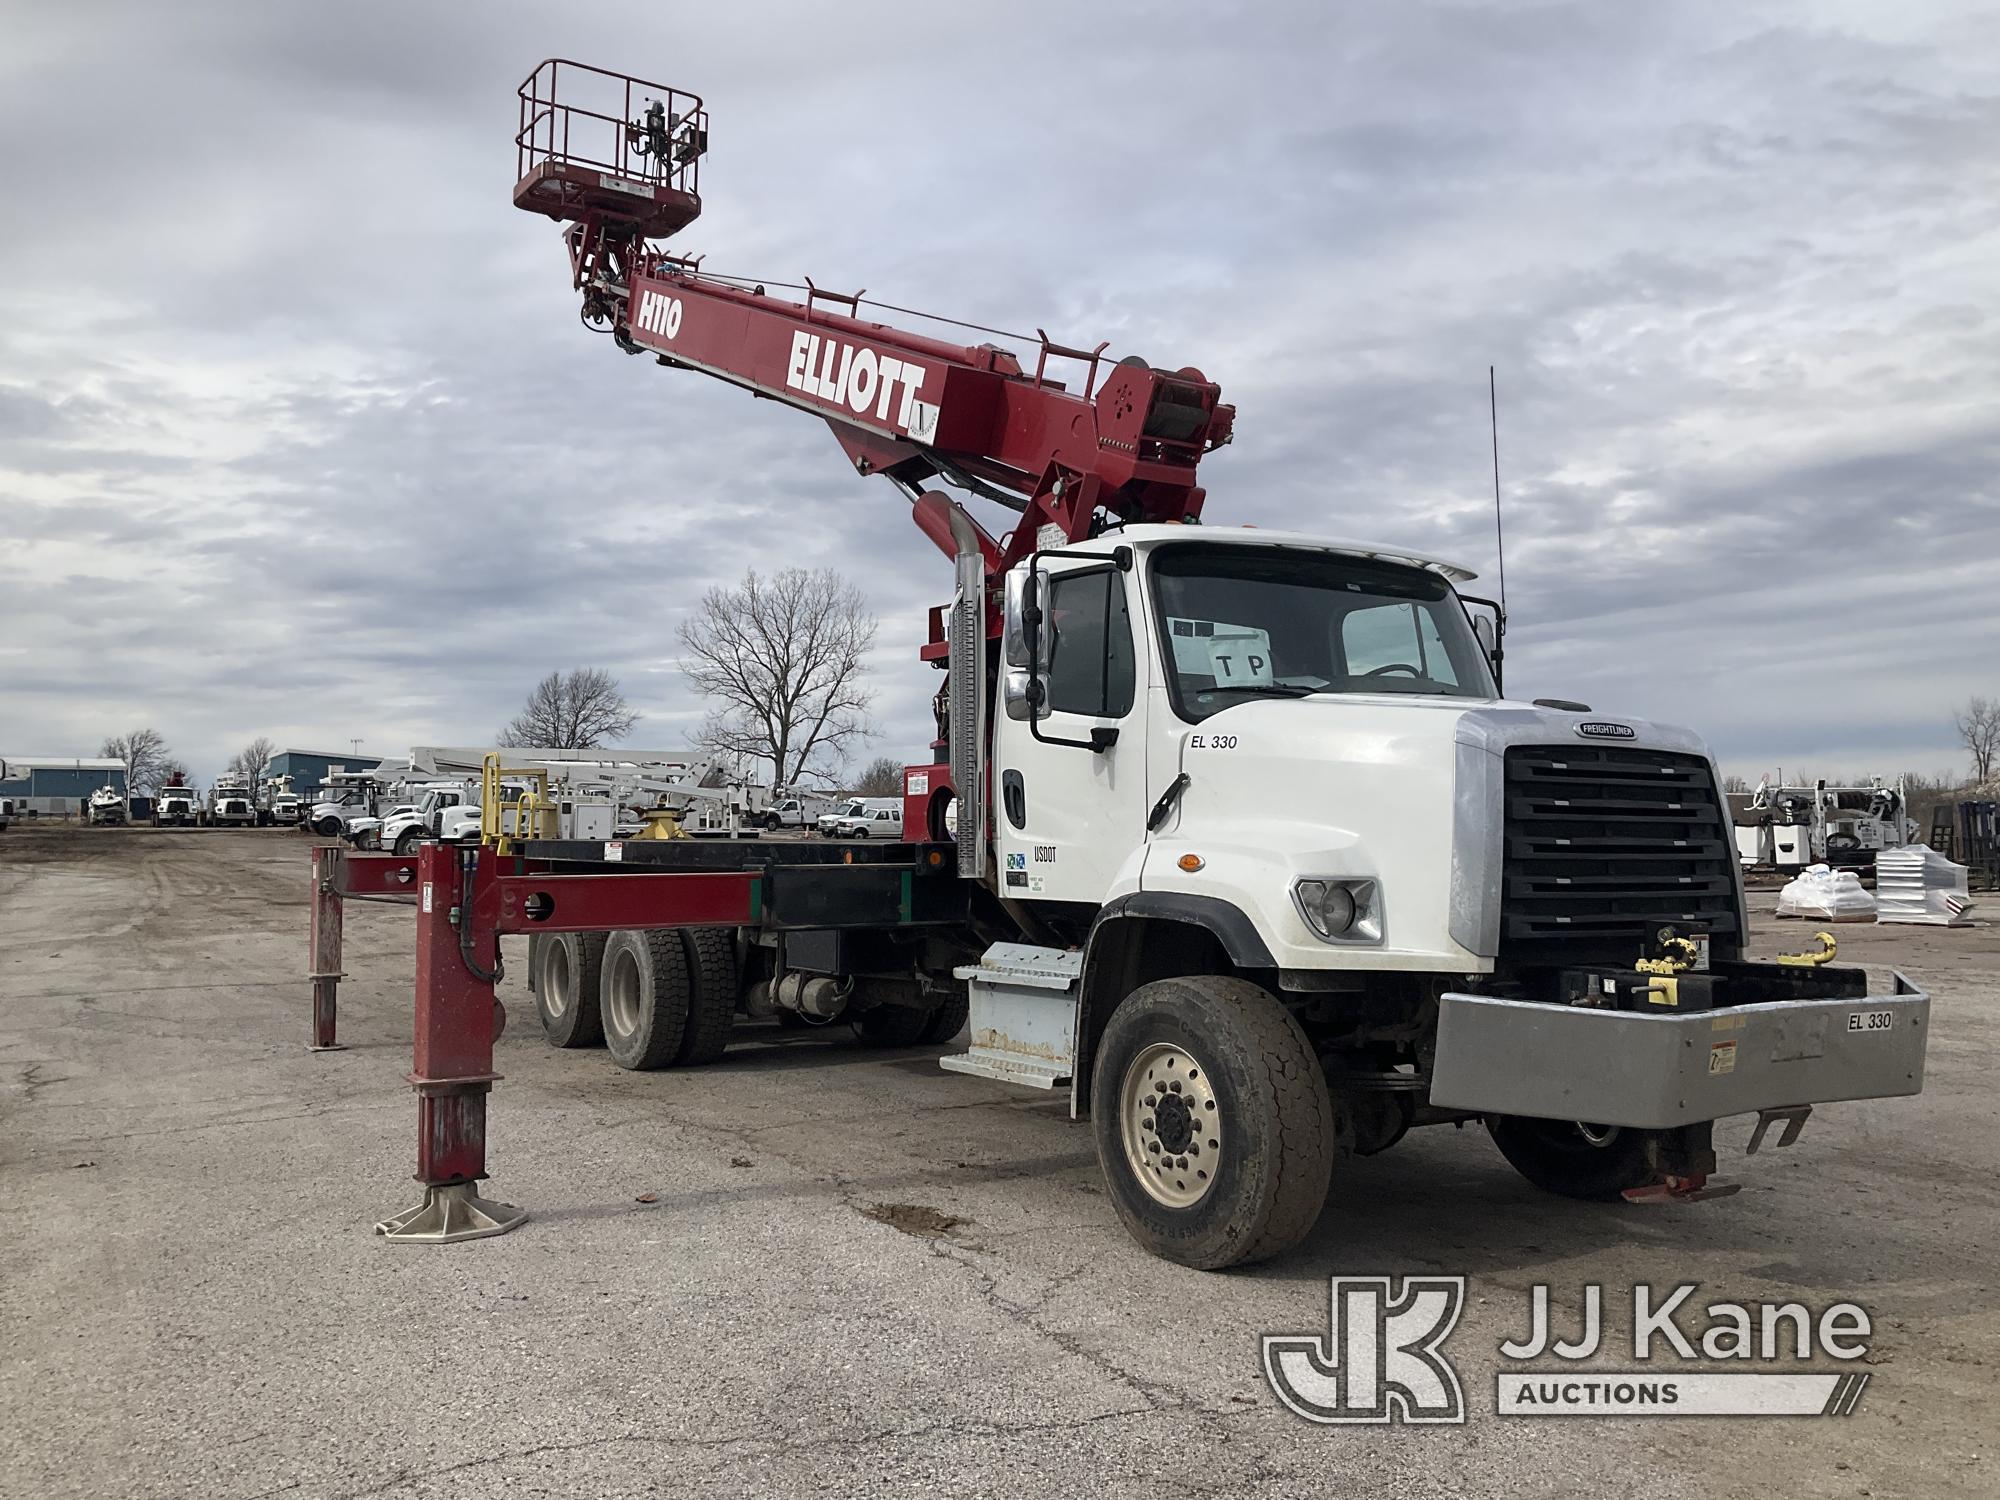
[(1382, 1357)]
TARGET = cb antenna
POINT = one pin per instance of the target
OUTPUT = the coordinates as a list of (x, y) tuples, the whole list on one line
[(1499, 537)]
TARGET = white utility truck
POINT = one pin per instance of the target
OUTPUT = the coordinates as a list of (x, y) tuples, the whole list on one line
[(177, 807), (869, 818), (1791, 827), (1232, 835), (106, 805), (231, 803), (796, 810), (282, 803)]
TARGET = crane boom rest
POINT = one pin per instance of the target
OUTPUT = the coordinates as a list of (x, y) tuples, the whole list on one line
[(1252, 854)]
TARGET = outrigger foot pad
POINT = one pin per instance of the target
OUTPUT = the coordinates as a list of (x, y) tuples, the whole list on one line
[(450, 1214)]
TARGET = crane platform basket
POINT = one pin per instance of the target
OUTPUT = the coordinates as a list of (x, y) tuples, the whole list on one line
[(601, 146)]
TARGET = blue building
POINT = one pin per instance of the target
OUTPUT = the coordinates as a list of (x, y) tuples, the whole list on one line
[(308, 768), (55, 786)]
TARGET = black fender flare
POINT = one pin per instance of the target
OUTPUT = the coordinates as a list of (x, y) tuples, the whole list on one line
[(1105, 958)]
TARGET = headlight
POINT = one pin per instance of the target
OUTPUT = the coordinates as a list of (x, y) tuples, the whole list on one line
[(1340, 911)]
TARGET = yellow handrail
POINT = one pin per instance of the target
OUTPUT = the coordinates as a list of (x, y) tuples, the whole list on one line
[(504, 822)]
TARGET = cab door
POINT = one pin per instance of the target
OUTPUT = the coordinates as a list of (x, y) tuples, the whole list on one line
[(1069, 818)]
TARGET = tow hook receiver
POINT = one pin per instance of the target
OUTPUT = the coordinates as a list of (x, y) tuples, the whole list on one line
[(1688, 1189), (1794, 1116)]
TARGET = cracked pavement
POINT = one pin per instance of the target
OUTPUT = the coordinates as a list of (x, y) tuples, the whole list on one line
[(193, 1302)]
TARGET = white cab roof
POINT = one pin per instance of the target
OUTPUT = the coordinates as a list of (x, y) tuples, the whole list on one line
[(1257, 536)]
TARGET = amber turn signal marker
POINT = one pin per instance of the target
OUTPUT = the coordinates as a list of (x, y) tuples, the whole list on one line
[(1190, 862)]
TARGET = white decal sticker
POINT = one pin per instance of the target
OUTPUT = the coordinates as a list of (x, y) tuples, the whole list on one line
[(427, 896), (614, 852), (919, 783), (1721, 1059), (1868, 1021)]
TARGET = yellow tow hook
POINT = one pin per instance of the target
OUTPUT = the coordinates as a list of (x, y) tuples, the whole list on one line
[(1827, 949), (1679, 956)]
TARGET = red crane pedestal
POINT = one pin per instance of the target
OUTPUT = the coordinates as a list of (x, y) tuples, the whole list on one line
[(456, 1022)]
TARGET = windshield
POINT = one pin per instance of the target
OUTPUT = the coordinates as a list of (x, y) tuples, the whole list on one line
[(1277, 622)]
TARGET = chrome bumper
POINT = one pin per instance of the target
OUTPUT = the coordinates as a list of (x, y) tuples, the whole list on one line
[(1655, 1072)]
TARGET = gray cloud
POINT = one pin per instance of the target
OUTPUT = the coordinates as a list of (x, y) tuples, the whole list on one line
[(299, 434)]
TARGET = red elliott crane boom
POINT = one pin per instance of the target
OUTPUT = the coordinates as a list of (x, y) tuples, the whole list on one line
[(911, 407)]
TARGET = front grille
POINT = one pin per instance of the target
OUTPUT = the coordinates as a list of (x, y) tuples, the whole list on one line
[(1604, 845)]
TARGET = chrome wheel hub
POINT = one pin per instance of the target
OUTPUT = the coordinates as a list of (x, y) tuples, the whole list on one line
[(621, 993), (1171, 1125), (555, 980)]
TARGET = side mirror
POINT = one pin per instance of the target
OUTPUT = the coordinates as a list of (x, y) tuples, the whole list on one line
[(1014, 631), (1482, 627), (1019, 695)]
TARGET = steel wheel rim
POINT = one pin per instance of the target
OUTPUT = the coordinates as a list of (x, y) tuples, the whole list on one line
[(1171, 1125), (555, 980), (622, 991)]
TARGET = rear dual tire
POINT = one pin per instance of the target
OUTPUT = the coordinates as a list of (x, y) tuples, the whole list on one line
[(667, 997), (565, 969)]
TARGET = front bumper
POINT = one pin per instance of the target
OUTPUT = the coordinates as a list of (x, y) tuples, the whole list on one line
[(1657, 1072)]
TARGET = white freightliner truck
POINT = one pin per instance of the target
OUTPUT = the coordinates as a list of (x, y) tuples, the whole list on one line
[(283, 805), (1236, 838), (177, 807), (231, 803)]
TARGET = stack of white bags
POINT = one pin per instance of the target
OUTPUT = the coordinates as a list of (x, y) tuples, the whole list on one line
[(1826, 895)]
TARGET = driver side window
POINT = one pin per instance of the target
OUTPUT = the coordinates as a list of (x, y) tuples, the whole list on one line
[(1090, 668)]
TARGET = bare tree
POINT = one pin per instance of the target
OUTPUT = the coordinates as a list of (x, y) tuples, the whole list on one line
[(1979, 726), (575, 710), (1735, 784), (251, 760), (145, 754), (783, 658), (882, 778)]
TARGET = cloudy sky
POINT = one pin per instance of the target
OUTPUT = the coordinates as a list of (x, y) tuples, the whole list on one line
[(300, 435)]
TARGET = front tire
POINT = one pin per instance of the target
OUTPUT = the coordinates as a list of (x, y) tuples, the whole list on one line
[(643, 998), (567, 970), (1571, 1158), (948, 1020), (1213, 1124), (891, 1026), (406, 845)]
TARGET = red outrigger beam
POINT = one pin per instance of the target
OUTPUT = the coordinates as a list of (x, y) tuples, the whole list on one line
[(466, 899)]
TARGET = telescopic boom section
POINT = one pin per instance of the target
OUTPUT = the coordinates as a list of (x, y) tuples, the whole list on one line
[(1125, 447)]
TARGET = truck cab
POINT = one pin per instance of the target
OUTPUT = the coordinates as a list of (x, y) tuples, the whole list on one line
[(404, 827), (231, 804), (283, 803), (827, 822), (177, 807), (792, 811), (1260, 807)]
